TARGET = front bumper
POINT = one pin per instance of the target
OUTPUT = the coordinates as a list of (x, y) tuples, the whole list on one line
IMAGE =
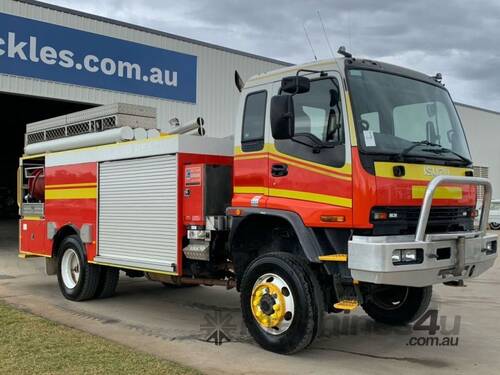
[(470, 254), (444, 257)]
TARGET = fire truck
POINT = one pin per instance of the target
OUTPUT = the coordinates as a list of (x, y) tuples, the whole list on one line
[(346, 183)]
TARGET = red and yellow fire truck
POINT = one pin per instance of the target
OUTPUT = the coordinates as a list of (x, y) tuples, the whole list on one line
[(347, 183)]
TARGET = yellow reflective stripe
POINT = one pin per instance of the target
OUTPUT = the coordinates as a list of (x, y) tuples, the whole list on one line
[(350, 119), (32, 218), (269, 148), (420, 172), (86, 184), (312, 197), (293, 194), (250, 190), (333, 258), (442, 192), (28, 254), (346, 169), (312, 169), (83, 193), (251, 157)]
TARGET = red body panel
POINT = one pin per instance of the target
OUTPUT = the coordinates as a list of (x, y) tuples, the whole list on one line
[(365, 193), (399, 193), (71, 199), (183, 160), (312, 190), (193, 197), (33, 237), (67, 202), (313, 185)]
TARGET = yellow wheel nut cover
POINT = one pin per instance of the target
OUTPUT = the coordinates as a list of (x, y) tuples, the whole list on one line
[(279, 307)]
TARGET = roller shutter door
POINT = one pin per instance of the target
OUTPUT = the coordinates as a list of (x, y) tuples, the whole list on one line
[(138, 213)]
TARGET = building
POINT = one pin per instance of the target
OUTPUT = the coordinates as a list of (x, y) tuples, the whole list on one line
[(55, 61), (482, 127)]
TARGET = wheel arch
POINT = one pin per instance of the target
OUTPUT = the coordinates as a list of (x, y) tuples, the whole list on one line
[(266, 230), (61, 234)]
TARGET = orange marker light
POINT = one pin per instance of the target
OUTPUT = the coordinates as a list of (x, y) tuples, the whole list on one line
[(380, 215), (332, 218), (234, 212)]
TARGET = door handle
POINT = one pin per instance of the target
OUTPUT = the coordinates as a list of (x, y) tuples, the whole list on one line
[(279, 170)]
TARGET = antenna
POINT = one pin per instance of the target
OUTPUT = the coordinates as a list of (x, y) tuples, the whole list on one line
[(309, 41), (326, 35)]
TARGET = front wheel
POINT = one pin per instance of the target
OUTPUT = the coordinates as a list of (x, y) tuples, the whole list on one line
[(495, 226), (281, 302), (397, 305)]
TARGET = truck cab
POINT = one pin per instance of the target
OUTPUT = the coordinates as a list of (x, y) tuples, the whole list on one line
[(363, 169)]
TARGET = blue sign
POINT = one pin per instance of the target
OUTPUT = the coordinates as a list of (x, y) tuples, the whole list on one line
[(46, 51)]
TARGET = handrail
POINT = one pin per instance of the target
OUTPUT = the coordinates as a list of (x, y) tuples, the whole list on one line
[(429, 196)]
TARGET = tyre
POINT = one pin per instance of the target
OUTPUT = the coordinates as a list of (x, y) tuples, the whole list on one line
[(108, 282), (281, 302), (78, 280), (398, 305), (495, 226)]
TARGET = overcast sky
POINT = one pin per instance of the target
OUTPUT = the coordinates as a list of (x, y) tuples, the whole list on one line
[(459, 38)]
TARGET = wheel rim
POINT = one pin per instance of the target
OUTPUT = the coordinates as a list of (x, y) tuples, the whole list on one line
[(272, 302), (390, 298), (70, 268)]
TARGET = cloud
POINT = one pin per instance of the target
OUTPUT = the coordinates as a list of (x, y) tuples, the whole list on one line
[(458, 38)]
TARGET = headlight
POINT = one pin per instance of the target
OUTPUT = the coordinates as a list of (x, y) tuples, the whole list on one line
[(407, 256), (491, 247)]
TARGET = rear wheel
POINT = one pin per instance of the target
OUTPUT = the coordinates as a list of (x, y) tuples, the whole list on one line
[(281, 302), (108, 282), (397, 305), (78, 280)]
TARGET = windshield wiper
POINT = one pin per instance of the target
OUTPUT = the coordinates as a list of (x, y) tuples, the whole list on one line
[(444, 150), (440, 150), (407, 150)]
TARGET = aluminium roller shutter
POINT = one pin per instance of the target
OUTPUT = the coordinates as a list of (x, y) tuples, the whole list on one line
[(138, 213)]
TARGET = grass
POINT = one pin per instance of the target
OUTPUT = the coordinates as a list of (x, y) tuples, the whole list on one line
[(33, 345)]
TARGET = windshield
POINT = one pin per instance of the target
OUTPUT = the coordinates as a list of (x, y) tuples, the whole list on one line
[(405, 117)]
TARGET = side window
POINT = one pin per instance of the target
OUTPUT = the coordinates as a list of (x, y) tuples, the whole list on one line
[(319, 125), (254, 121), (318, 112)]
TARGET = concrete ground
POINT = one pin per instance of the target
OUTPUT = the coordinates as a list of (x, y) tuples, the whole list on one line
[(174, 324)]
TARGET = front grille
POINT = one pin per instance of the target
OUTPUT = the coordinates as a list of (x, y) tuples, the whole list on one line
[(403, 220)]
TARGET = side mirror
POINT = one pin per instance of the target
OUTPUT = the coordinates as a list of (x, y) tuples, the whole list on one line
[(295, 84), (282, 117)]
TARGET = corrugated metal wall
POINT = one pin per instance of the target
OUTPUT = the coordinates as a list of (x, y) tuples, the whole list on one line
[(217, 96), (481, 128)]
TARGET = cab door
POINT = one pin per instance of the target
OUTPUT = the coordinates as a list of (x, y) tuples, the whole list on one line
[(311, 173), (251, 168)]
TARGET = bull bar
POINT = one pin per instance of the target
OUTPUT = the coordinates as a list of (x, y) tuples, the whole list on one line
[(467, 254)]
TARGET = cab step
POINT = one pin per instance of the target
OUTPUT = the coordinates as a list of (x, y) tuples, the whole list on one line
[(347, 304), (333, 258)]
